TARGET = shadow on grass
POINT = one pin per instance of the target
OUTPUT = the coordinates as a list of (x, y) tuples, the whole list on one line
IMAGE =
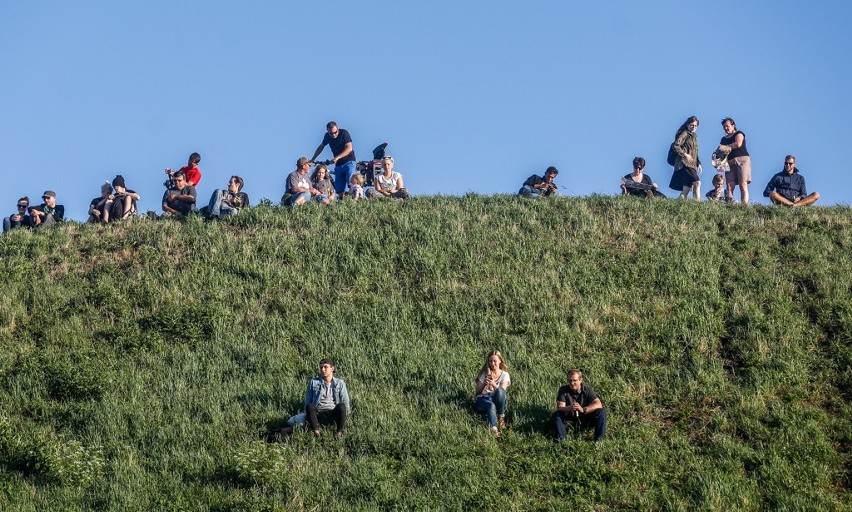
[(531, 419)]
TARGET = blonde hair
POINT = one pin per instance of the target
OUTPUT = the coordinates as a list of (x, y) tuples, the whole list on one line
[(718, 180), (357, 179), (503, 365)]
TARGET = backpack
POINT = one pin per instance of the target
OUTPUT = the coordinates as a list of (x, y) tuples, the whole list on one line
[(670, 158)]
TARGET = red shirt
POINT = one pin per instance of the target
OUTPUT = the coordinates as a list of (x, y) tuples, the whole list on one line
[(193, 175)]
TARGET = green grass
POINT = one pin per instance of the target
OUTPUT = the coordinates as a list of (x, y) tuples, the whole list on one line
[(142, 363)]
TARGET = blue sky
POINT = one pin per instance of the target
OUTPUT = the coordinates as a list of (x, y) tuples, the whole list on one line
[(471, 96)]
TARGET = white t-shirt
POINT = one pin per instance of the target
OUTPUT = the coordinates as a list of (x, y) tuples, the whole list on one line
[(487, 391), (389, 184)]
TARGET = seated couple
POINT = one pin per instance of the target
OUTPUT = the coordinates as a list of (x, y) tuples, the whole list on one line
[(577, 404), (116, 202), (32, 217)]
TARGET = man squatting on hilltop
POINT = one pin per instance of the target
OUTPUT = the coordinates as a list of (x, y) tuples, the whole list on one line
[(344, 156), (538, 186)]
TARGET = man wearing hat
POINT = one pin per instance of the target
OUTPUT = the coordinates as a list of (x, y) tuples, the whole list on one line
[(326, 398), (537, 186), (48, 212), (299, 188), (123, 204)]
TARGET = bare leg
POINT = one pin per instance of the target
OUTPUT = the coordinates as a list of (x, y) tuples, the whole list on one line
[(696, 191), (743, 192), (685, 191), (779, 199), (808, 200)]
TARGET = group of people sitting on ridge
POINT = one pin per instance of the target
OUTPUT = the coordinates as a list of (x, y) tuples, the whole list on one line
[(577, 405), (730, 159)]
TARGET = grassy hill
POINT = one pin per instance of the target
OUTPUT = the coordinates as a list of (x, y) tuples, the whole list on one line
[(142, 363)]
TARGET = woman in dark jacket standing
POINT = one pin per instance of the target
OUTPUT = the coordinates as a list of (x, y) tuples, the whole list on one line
[(687, 165)]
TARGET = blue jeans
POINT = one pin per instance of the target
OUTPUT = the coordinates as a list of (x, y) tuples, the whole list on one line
[(306, 197), (596, 419), (528, 191), (217, 208), (492, 407), (342, 175)]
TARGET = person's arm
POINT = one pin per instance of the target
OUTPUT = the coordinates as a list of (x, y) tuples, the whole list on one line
[(803, 191), (677, 146), (505, 381), (399, 185), (188, 198), (344, 396), (309, 395), (738, 141), (562, 406), (770, 187), (592, 407), (134, 196), (319, 150), (481, 381)]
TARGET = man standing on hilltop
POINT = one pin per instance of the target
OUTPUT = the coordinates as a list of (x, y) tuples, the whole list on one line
[(579, 405), (788, 187), (537, 186), (344, 156)]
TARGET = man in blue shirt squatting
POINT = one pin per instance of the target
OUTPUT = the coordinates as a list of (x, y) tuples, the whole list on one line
[(344, 156), (788, 187), (326, 398)]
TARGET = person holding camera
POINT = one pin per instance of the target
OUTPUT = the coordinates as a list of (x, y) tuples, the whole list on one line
[(180, 198), (20, 219), (538, 186), (230, 201), (578, 404), (190, 170)]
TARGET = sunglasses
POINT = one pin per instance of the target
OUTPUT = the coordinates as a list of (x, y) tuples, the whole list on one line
[(20, 206)]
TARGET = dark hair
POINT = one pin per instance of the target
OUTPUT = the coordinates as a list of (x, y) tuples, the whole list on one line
[(239, 181), (193, 159), (316, 170), (179, 173), (327, 360), (638, 163), (551, 169), (330, 124), (733, 123), (25, 198), (685, 125)]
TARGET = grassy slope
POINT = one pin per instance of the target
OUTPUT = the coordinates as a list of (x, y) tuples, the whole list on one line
[(140, 363)]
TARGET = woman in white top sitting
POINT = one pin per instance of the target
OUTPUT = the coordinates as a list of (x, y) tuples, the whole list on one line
[(389, 183), (491, 385)]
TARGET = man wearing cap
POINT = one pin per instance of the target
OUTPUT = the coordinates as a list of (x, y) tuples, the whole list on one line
[(123, 204), (299, 188), (344, 155), (538, 186), (180, 198), (20, 219), (788, 187), (48, 212), (579, 405), (326, 398)]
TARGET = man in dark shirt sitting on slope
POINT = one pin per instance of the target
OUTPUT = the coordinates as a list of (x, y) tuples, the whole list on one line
[(788, 187), (578, 404), (179, 200)]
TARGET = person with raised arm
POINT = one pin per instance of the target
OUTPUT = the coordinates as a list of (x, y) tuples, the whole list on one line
[(491, 385), (344, 155)]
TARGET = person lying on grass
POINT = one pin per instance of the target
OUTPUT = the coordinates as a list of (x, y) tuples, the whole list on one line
[(537, 186), (491, 386), (326, 399), (579, 405)]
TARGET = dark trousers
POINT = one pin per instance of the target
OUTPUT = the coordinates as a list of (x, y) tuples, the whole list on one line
[(596, 419), (338, 414)]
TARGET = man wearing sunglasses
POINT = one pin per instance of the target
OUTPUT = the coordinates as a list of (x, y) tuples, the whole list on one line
[(344, 155), (20, 219), (788, 187), (48, 212)]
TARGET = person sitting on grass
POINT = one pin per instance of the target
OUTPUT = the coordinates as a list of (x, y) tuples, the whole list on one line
[(99, 206), (123, 203), (179, 199), (322, 183), (21, 218), (229, 201), (538, 186), (719, 192), (326, 399), (578, 404), (48, 212), (389, 183), (491, 386), (299, 189), (356, 187), (788, 187), (638, 183)]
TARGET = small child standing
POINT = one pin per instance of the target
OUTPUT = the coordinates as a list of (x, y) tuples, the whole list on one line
[(356, 186), (719, 191)]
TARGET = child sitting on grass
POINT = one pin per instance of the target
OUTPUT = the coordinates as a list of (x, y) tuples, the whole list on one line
[(719, 191), (356, 186)]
